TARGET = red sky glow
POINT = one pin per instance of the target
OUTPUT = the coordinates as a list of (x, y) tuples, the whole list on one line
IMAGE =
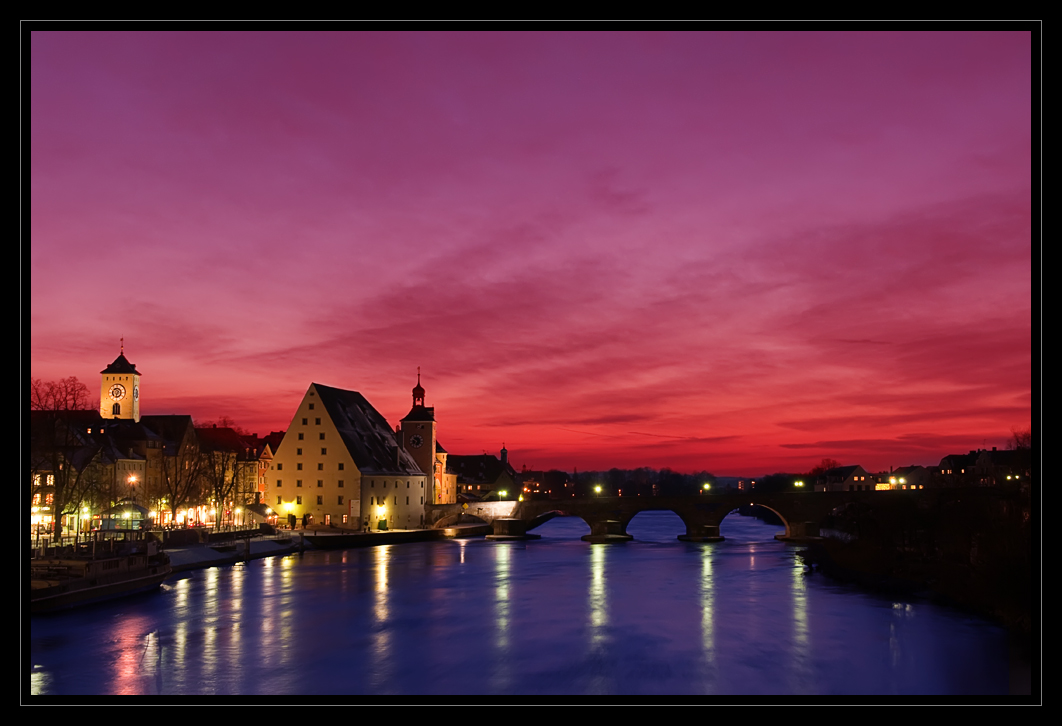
[(733, 251)]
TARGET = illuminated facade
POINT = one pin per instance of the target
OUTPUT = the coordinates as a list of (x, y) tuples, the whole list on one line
[(339, 464), (120, 390)]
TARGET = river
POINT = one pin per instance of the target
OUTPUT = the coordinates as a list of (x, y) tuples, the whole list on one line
[(654, 618)]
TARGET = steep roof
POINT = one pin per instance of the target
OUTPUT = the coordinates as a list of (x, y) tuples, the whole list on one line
[(121, 365), (366, 434)]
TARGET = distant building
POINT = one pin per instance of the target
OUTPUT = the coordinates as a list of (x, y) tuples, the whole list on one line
[(478, 475), (845, 479)]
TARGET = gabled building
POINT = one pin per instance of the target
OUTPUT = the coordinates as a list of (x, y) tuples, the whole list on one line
[(478, 475), (340, 464), (958, 469), (845, 479)]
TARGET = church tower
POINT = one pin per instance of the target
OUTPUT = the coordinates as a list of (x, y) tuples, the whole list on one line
[(120, 389)]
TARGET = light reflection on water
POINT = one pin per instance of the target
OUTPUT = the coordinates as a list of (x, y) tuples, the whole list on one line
[(553, 616)]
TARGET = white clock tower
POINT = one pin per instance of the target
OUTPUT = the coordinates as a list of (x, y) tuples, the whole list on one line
[(120, 389)]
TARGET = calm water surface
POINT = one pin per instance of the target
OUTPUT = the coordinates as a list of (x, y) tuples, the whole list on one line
[(553, 616)]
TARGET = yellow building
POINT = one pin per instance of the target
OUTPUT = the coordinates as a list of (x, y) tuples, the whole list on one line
[(340, 464)]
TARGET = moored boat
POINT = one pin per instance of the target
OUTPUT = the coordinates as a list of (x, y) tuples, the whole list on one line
[(66, 581)]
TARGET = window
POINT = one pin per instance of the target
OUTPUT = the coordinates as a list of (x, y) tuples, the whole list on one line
[(278, 482), (407, 484), (407, 500), (299, 466), (372, 482), (340, 483), (278, 501), (340, 499), (317, 421), (371, 501), (116, 409), (320, 467), (341, 466), (311, 406), (280, 467), (322, 436), (324, 451), (300, 436), (298, 451), (298, 482), (320, 500), (298, 500), (304, 421), (320, 483)]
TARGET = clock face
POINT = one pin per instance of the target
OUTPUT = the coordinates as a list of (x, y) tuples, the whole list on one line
[(416, 441), (117, 392), (136, 393)]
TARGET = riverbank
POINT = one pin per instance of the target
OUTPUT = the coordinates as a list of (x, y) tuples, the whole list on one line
[(200, 555), (998, 595)]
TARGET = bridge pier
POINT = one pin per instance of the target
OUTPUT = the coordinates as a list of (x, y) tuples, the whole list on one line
[(800, 532), (607, 530), (510, 528), (702, 533)]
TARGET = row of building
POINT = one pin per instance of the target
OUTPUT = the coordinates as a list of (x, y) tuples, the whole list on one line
[(338, 463), (981, 467)]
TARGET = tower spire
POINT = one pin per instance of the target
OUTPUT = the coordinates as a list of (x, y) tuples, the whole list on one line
[(418, 391)]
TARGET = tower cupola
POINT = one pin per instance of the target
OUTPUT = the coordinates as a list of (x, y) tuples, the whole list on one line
[(418, 391)]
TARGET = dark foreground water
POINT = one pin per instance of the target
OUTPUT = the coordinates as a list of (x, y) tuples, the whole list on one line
[(654, 617)]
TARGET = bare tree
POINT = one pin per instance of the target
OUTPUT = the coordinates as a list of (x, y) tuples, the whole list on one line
[(66, 394), (61, 445), (181, 472)]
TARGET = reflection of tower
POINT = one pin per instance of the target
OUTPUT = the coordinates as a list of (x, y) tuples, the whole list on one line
[(120, 389)]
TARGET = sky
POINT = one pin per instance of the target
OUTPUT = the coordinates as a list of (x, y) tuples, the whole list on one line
[(739, 252)]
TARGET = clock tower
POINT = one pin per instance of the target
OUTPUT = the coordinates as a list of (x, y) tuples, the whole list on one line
[(418, 431), (120, 389)]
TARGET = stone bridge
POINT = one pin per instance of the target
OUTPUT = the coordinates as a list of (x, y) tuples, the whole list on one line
[(608, 517)]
